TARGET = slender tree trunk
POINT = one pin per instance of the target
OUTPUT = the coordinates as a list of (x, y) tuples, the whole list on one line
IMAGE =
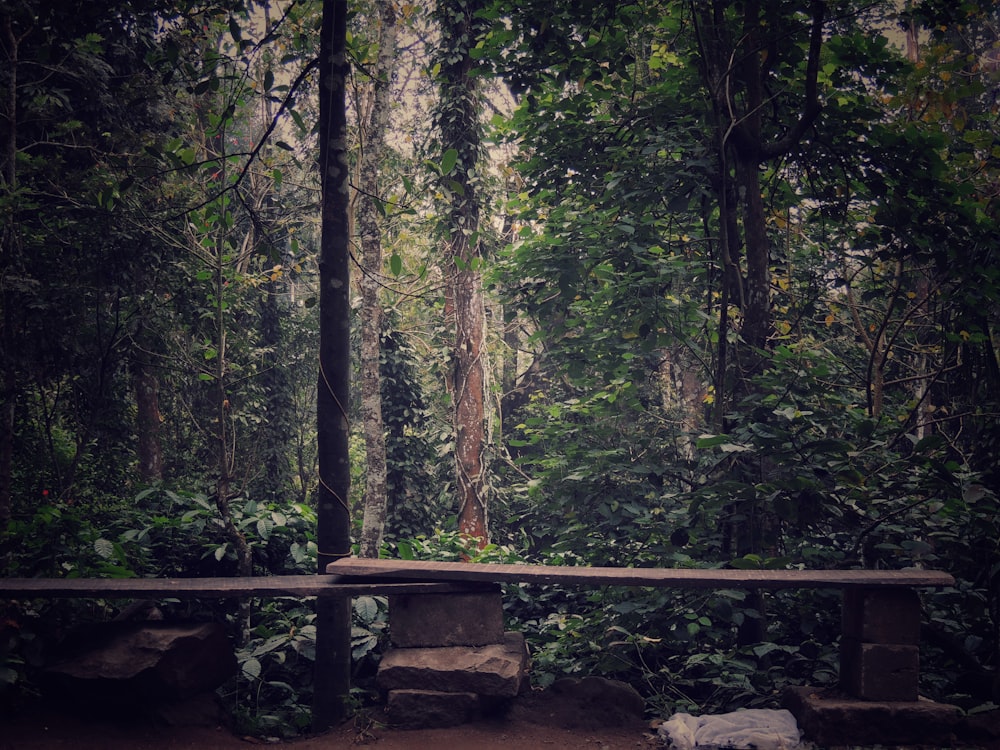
[(734, 77), (275, 482), (757, 308), (375, 499), (458, 123), (244, 558), (10, 257), (147, 402), (333, 614), (733, 51)]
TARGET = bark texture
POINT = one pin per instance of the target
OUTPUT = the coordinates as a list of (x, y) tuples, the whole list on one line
[(458, 124), (332, 676), (375, 497)]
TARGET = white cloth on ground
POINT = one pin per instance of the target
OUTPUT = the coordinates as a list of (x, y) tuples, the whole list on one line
[(759, 728)]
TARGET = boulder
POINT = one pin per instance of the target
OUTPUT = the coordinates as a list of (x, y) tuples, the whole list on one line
[(145, 662)]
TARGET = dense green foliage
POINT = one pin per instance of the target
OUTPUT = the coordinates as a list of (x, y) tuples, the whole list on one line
[(742, 311)]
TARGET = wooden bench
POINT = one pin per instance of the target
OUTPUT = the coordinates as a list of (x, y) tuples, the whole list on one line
[(880, 615), (210, 588), (879, 658)]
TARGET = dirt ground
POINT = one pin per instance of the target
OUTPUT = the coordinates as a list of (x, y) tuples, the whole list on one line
[(83, 735), (534, 729), (531, 725)]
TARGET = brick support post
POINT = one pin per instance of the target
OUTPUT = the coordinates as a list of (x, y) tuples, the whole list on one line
[(879, 654)]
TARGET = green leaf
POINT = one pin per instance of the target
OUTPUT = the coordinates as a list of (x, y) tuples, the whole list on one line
[(264, 528), (251, 669), (272, 643), (748, 562), (104, 548), (449, 160), (710, 441), (366, 608), (396, 264)]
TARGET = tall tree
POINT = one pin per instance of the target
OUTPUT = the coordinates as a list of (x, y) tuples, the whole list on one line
[(372, 145), (13, 35), (333, 621), (738, 58), (457, 122)]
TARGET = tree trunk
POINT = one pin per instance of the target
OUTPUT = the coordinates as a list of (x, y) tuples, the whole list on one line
[(9, 261), (375, 499), (756, 327), (732, 68), (147, 402), (244, 559), (333, 533), (470, 412), (275, 484), (458, 123)]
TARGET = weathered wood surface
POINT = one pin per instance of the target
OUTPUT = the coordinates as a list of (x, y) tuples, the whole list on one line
[(214, 588), (408, 570)]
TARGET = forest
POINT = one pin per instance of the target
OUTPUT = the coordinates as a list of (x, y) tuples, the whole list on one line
[(674, 283)]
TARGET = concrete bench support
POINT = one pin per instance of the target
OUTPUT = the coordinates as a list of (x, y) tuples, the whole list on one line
[(450, 660), (879, 654), (879, 644)]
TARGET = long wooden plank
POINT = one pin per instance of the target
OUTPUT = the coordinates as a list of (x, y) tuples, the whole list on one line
[(408, 570), (214, 588)]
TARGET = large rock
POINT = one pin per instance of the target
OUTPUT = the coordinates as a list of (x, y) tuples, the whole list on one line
[(496, 670), (421, 620), (147, 662)]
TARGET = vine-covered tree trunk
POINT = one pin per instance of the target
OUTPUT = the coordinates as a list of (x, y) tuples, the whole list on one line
[(375, 498), (734, 48), (458, 124), (333, 534), (275, 482), (223, 490), (733, 52)]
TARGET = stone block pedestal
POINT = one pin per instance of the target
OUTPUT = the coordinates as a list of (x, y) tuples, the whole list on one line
[(451, 660), (473, 619), (831, 720), (497, 670), (879, 655)]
